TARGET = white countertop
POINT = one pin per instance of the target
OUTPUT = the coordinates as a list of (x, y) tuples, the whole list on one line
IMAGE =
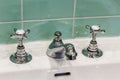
[(109, 46)]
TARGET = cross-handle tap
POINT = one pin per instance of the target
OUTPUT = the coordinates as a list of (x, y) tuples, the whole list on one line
[(20, 34), (92, 50), (94, 30), (20, 56)]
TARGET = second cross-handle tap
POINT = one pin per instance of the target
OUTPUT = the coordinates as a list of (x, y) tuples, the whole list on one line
[(92, 50)]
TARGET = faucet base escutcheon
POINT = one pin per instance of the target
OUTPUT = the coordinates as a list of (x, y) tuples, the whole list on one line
[(21, 56), (92, 54), (20, 59)]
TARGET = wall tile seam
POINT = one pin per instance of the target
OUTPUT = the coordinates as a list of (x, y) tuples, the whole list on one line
[(74, 14), (59, 19)]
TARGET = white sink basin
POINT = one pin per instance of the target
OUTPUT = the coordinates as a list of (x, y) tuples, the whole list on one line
[(45, 68), (97, 72)]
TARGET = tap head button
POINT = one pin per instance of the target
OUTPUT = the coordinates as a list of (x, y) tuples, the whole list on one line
[(20, 31), (58, 33), (95, 27)]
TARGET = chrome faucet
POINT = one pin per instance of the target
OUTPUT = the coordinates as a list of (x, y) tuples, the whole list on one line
[(70, 52), (21, 56), (56, 49), (92, 50)]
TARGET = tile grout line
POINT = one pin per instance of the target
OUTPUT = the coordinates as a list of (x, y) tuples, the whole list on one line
[(74, 14), (93, 17), (57, 19), (22, 15), (10, 22)]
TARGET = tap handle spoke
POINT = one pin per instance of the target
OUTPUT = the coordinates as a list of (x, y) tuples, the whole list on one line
[(20, 34), (95, 29)]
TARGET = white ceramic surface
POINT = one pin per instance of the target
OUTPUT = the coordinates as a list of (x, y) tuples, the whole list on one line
[(43, 68)]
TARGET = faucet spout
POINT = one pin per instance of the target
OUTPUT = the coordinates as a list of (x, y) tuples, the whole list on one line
[(56, 49), (70, 51)]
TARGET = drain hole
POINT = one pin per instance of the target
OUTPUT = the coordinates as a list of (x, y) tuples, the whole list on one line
[(62, 74)]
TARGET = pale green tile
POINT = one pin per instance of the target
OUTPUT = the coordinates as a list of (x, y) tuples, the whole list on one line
[(97, 8), (6, 30), (45, 30), (39, 9), (111, 25), (9, 10)]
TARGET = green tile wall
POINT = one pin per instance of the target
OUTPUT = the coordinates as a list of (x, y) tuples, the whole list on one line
[(44, 17), (45, 30), (97, 8), (111, 25), (6, 30), (42, 9), (9, 10)]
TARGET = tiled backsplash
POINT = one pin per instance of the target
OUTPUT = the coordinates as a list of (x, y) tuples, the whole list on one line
[(47, 9), (44, 17)]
